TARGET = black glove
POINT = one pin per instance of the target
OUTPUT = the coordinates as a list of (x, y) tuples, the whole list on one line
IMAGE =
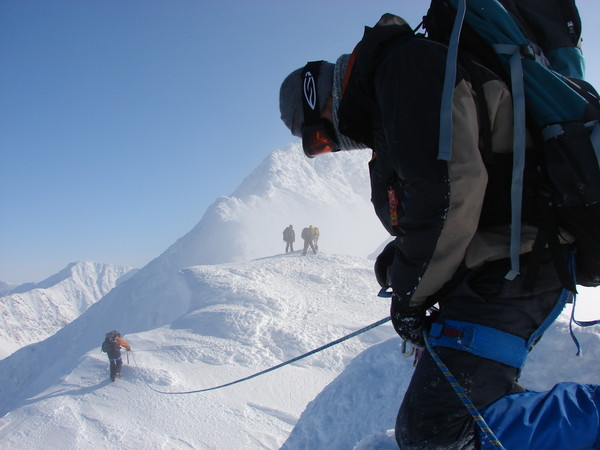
[(383, 265), (408, 321)]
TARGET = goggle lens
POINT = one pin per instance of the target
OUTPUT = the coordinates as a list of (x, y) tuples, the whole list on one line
[(316, 140)]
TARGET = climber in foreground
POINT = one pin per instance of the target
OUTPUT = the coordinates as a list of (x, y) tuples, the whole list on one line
[(451, 221)]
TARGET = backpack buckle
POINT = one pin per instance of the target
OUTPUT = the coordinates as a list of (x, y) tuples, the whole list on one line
[(526, 51)]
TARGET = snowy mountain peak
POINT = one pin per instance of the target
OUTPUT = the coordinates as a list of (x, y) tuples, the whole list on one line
[(330, 192), (343, 176), (6, 287)]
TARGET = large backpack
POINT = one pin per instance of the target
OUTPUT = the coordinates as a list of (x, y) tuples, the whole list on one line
[(110, 341), (288, 234), (534, 46)]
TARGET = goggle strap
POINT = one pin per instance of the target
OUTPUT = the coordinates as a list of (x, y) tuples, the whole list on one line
[(310, 97)]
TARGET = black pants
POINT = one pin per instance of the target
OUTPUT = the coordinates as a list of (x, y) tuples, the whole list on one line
[(431, 415), (115, 367)]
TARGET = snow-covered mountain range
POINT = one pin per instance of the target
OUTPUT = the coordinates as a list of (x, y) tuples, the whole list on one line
[(31, 312), (225, 302)]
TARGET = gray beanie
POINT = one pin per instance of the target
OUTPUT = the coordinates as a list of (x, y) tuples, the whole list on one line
[(290, 96)]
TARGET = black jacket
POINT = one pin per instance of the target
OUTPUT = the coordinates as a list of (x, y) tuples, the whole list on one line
[(392, 104), (113, 348)]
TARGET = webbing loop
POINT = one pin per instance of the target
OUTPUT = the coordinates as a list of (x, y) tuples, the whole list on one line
[(583, 324)]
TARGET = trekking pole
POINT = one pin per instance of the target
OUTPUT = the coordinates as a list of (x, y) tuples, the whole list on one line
[(127, 352)]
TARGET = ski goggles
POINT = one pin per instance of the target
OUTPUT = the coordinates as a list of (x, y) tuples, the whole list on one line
[(318, 134)]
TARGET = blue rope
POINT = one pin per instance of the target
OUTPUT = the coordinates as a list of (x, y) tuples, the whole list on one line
[(464, 398), (278, 366)]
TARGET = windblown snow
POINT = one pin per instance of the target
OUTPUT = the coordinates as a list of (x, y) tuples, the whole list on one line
[(225, 302)]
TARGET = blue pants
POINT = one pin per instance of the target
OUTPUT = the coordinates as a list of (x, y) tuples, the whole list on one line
[(566, 417)]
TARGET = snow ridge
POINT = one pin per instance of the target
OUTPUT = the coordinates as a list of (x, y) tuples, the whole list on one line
[(212, 325)]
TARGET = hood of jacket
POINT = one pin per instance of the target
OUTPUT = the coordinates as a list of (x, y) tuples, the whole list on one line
[(355, 110)]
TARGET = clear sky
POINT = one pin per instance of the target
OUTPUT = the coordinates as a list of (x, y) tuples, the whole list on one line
[(122, 121)]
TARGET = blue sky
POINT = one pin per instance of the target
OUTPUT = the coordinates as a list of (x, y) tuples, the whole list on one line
[(122, 121)]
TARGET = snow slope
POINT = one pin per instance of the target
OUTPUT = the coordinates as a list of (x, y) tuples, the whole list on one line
[(237, 319), (362, 403), (232, 320), (32, 312)]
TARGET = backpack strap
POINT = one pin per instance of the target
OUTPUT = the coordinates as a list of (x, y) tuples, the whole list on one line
[(582, 324), (547, 235), (515, 53), (518, 91), (445, 142)]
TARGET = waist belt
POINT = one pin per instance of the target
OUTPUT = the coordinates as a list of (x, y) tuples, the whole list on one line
[(491, 343), (480, 340)]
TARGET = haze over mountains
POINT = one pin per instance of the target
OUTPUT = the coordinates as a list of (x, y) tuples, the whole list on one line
[(224, 302)]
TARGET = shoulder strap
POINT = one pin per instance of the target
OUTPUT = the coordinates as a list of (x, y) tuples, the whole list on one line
[(515, 54), (445, 142)]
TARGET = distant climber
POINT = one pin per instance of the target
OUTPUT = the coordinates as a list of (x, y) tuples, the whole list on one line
[(289, 236), (308, 236), (316, 235), (112, 347)]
